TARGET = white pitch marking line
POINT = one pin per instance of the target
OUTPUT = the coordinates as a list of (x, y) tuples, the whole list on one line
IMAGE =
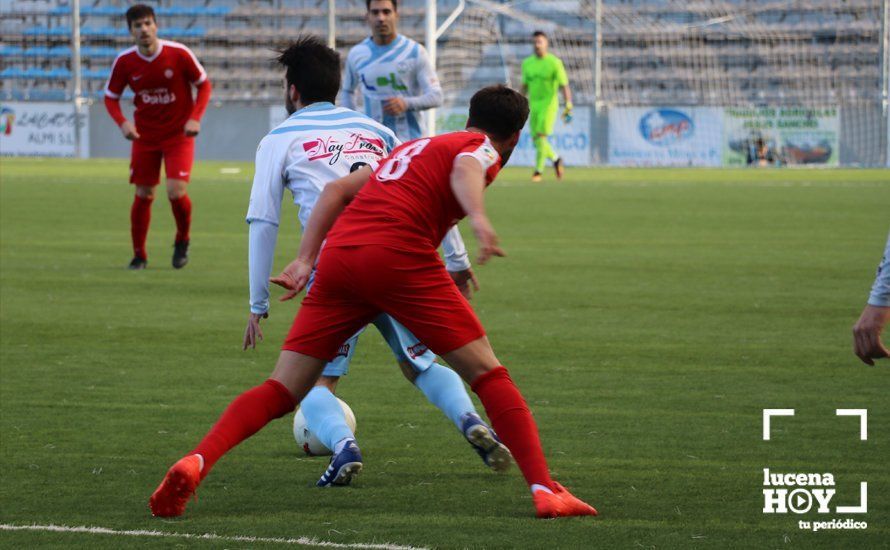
[(305, 541)]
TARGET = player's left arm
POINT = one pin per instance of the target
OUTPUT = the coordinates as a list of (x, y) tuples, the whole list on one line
[(332, 201), (430, 89), (193, 124), (875, 316), (468, 186), (523, 74), (197, 76), (563, 81)]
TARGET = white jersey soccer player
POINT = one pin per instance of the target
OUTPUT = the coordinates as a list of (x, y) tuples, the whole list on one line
[(318, 144), (314, 146), (389, 65)]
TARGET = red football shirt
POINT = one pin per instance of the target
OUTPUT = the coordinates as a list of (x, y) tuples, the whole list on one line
[(408, 203), (162, 84)]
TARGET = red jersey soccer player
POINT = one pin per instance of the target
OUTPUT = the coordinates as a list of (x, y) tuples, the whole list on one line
[(381, 256), (161, 73)]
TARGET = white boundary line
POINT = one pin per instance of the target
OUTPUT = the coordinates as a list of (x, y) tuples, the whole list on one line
[(305, 541)]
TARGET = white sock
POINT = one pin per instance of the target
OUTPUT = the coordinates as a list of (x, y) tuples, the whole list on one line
[(338, 446), (538, 487), (202, 461)]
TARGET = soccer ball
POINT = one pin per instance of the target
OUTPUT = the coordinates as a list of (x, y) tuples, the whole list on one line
[(307, 440)]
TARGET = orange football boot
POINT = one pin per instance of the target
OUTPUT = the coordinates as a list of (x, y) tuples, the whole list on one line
[(180, 483), (560, 504)]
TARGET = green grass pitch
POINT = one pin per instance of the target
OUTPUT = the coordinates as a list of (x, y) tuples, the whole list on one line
[(648, 316)]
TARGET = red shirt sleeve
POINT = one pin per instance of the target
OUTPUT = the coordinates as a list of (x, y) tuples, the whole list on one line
[(483, 151), (198, 77), (113, 106), (192, 68), (201, 100), (118, 79)]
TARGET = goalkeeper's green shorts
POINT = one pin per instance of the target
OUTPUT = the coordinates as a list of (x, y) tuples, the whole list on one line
[(542, 118)]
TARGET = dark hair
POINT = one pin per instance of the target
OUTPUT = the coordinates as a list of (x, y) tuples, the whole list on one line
[(313, 68), (539, 33), (395, 5), (498, 110), (138, 11)]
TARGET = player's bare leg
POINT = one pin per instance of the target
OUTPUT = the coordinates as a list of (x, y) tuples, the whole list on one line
[(181, 205), (513, 421), (294, 375), (140, 218)]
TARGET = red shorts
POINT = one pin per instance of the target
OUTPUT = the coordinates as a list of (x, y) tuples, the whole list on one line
[(178, 153), (355, 284)]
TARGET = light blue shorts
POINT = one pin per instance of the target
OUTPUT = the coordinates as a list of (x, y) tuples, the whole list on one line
[(405, 346)]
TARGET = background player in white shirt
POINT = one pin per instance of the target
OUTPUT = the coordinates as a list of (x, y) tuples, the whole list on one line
[(317, 144), (393, 73)]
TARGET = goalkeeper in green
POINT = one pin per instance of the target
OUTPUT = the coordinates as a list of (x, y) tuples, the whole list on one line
[(542, 74)]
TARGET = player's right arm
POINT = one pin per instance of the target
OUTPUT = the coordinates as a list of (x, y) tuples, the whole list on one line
[(457, 263), (350, 81), (468, 186), (335, 197), (263, 217), (115, 86)]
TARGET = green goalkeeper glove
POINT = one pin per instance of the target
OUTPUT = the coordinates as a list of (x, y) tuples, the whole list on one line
[(567, 113)]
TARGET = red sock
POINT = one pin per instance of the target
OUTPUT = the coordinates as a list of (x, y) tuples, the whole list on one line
[(140, 218), (244, 416), (513, 423), (182, 211)]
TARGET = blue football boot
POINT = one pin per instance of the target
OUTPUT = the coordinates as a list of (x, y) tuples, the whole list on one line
[(343, 467), (483, 439)]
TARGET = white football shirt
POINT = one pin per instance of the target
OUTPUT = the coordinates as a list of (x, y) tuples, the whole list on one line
[(313, 147)]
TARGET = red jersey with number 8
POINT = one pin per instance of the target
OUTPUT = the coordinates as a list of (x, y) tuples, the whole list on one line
[(162, 84), (408, 203)]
